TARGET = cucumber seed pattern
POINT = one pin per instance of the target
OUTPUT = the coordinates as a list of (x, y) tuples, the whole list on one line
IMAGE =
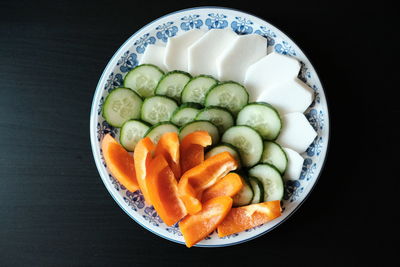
[(145, 85), (228, 101), (123, 107), (174, 91), (242, 144), (198, 94), (159, 113), (258, 123), (135, 134)]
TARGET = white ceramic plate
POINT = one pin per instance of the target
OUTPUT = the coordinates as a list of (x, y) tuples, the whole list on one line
[(158, 32)]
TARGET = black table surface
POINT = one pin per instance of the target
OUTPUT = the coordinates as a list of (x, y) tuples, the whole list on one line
[(54, 208)]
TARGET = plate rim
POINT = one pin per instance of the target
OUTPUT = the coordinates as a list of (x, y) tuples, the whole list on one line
[(98, 163)]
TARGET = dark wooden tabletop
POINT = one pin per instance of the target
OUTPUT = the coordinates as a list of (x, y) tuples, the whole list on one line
[(54, 208)]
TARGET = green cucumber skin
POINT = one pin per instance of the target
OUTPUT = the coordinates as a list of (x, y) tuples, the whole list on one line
[(157, 89), (187, 124), (138, 66), (179, 123), (122, 131), (152, 127), (231, 147), (146, 65), (220, 109), (177, 71), (223, 83), (104, 114), (190, 105), (205, 76), (159, 124), (143, 122), (200, 76), (228, 82), (262, 145), (271, 107), (269, 165), (146, 99), (277, 171), (284, 153), (261, 187), (228, 145)]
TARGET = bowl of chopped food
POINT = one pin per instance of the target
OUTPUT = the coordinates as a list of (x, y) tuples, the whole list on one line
[(209, 127)]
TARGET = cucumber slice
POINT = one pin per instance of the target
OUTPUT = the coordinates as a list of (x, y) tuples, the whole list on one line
[(172, 83), (271, 180), (221, 117), (121, 105), (229, 95), (143, 79), (131, 132), (248, 142), (258, 190), (185, 113), (245, 195), (157, 109), (156, 131), (222, 148), (196, 89), (263, 118), (200, 126), (274, 155)]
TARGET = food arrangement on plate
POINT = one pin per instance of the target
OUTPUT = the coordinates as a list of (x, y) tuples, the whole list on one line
[(207, 133), (189, 124)]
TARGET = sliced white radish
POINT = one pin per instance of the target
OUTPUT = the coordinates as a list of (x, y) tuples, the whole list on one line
[(294, 166), (203, 53), (176, 52), (154, 54), (296, 133), (272, 69), (289, 96), (235, 60)]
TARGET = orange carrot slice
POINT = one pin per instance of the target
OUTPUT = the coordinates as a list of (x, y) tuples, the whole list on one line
[(163, 191), (197, 179), (192, 149), (168, 146), (142, 156), (229, 185), (119, 162), (246, 217), (196, 227)]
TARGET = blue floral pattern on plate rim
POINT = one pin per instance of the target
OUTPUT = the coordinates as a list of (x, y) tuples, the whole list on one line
[(158, 32)]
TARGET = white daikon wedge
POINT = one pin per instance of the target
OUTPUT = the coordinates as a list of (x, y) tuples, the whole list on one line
[(296, 133), (176, 51), (289, 96), (269, 71), (235, 60), (203, 53), (294, 166), (154, 54)]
